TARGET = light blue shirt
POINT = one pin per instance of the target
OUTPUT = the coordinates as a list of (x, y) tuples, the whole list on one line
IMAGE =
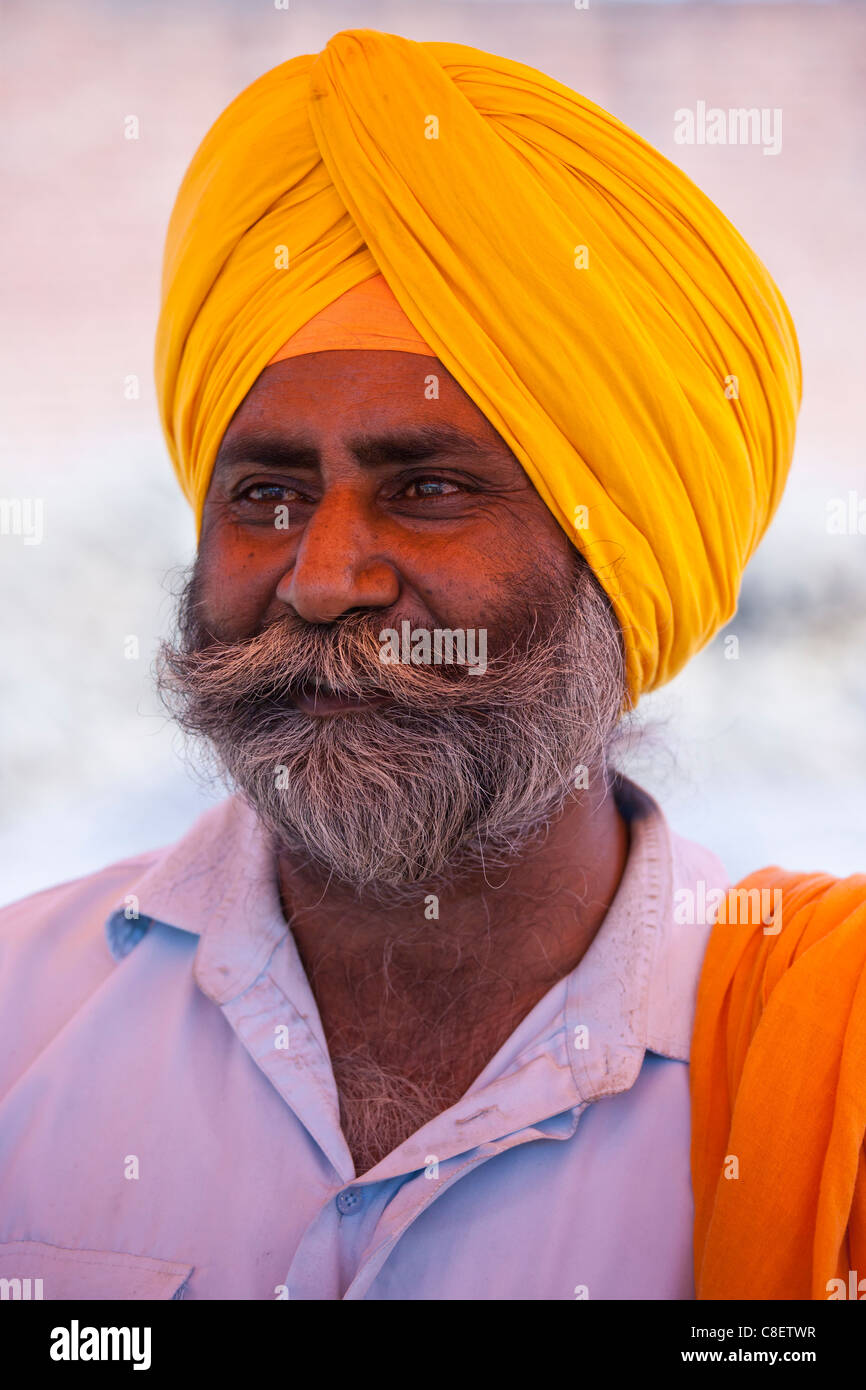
[(169, 1122)]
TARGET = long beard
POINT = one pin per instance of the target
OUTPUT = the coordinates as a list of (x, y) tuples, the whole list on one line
[(451, 774)]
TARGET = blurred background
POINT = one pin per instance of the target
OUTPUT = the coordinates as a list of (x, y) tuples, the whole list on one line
[(762, 758)]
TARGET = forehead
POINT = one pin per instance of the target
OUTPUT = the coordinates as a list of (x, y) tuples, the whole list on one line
[(360, 390)]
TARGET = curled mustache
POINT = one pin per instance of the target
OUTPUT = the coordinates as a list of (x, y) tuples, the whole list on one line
[(290, 656), (448, 773)]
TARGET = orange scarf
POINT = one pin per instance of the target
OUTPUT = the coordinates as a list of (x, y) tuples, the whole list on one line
[(778, 1084)]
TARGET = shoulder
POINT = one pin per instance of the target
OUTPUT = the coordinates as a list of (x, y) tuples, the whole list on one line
[(63, 928), (54, 957), (74, 897), (807, 906), (54, 951), (782, 934), (95, 895)]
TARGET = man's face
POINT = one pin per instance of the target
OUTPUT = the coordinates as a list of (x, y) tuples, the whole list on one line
[(356, 491), (381, 515)]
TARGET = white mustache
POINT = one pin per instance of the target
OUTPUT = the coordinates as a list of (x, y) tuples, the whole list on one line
[(449, 774), (282, 661)]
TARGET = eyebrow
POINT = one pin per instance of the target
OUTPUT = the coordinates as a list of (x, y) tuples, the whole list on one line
[(267, 447)]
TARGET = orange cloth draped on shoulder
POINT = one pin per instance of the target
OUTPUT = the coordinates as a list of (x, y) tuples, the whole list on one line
[(778, 1080)]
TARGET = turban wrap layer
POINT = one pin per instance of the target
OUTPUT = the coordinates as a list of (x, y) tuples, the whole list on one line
[(602, 313)]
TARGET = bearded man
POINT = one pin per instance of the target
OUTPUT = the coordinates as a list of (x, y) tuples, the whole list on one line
[(445, 351)]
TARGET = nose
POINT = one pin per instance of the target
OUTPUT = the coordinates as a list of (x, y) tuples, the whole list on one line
[(339, 565)]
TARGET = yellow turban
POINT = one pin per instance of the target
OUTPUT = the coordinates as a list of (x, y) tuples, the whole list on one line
[(604, 315)]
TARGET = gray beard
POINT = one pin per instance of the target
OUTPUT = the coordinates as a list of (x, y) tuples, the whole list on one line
[(452, 775)]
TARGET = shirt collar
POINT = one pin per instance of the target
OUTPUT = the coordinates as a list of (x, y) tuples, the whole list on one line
[(217, 882)]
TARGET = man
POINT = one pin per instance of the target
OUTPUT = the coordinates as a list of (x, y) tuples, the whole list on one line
[(482, 408)]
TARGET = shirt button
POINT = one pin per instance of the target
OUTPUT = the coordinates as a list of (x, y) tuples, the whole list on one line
[(350, 1201)]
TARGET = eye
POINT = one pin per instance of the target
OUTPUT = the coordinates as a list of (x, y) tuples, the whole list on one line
[(268, 492), (430, 487)]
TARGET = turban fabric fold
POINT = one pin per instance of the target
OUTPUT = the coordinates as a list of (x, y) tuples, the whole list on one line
[(602, 313)]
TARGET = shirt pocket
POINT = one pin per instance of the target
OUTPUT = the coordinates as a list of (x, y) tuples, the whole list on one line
[(31, 1270)]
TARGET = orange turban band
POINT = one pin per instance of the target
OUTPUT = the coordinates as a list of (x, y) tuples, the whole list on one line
[(366, 316), (611, 324)]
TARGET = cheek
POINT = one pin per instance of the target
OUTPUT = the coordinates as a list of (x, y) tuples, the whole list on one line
[(236, 581), (457, 578), (498, 586)]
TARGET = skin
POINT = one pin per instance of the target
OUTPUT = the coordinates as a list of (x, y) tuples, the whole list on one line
[(438, 539)]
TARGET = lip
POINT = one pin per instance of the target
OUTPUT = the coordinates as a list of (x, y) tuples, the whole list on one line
[(324, 703)]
